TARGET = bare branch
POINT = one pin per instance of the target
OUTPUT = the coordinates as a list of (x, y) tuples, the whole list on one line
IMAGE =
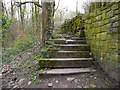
[(58, 5), (35, 3)]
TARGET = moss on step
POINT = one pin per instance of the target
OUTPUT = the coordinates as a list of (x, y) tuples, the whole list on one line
[(47, 63), (41, 72), (52, 49)]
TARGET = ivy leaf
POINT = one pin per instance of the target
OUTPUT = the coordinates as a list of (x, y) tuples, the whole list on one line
[(7, 22), (24, 11), (12, 19)]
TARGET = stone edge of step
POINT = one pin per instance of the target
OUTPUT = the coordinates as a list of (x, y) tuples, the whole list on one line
[(67, 59), (72, 45), (61, 51), (63, 71)]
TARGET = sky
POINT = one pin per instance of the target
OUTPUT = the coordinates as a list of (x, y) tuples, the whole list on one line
[(67, 4), (71, 4)]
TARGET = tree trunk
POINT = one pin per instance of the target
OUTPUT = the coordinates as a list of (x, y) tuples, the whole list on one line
[(52, 18), (47, 21), (44, 23)]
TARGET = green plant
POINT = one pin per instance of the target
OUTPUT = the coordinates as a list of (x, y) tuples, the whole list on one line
[(22, 44), (44, 53), (48, 47)]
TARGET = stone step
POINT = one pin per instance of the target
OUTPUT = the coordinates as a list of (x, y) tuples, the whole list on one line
[(68, 41), (69, 54), (73, 47), (65, 62), (66, 71), (58, 41), (76, 38)]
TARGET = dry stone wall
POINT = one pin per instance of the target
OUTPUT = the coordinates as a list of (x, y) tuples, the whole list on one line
[(102, 30)]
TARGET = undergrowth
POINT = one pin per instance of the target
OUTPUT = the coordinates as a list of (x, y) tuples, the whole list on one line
[(18, 46)]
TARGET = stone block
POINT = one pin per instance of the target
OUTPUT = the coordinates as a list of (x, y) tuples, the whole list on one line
[(114, 30), (98, 18), (115, 57), (106, 21), (113, 45), (104, 14), (109, 14), (99, 12), (103, 36), (108, 9), (109, 26), (116, 12), (94, 19), (88, 21), (114, 19), (109, 36), (115, 24), (115, 36), (91, 14), (101, 22), (118, 36), (94, 13), (98, 36), (104, 28), (115, 7)]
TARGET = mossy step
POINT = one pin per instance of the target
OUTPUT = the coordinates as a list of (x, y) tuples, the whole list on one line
[(58, 40), (66, 71), (73, 47), (70, 54), (67, 41), (65, 62), (76, 38)]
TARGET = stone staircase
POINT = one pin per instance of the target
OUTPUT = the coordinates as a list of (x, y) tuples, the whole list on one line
[(72, 58)]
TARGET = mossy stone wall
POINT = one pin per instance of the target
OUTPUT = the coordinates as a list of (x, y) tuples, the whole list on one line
[(73, 25), (102, 31)]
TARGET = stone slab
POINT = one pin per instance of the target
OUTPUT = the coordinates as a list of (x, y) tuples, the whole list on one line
[(73, 47), (70, 54), (68, 71), (65, 62)]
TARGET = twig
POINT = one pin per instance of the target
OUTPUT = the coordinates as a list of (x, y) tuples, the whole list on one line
[(57, 6), (36, 3)]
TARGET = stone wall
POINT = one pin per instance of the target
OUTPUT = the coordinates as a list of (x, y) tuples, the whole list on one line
[(73, 25), (102, 30)]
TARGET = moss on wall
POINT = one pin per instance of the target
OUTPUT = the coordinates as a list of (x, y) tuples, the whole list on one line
[(102, 27), (73, 25)]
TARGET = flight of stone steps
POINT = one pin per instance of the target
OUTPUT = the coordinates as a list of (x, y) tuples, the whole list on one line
[(72, 58)]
